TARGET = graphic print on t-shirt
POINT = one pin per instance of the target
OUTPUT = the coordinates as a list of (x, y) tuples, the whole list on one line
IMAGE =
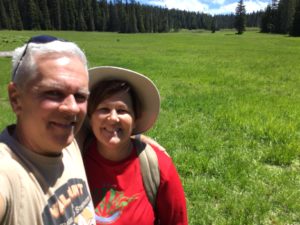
[(70, 204), (112, 205)]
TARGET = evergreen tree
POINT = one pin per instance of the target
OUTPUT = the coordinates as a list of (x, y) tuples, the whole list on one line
[(177, 22), (81, 24), (295, 30), (44, 15), (124, 19), (266, 25), (72, 14), (213, 26), (163, 22), (270, 20), (132, 25), (11, 15), (140, 19), (240, 15), (4, 24), (96, 14), (114, 21), (192, 21), (286, 11), (33, 13), (65, 17), (18, 19), (155, 22), (55, 14), (104, 15), (274, 25), (88, 15), (148, 22)]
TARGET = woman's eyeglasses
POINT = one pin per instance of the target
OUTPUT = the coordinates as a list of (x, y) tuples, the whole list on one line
[(41, 39)]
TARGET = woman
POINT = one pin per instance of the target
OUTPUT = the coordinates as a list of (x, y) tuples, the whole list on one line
[(123, 103)]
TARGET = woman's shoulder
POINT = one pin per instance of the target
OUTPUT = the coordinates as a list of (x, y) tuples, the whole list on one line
[(164, 159)]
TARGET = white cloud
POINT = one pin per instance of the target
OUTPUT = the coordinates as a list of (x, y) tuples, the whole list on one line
[(201, 6), (189, 5), (219, 2), (250, 5), (225, 9)]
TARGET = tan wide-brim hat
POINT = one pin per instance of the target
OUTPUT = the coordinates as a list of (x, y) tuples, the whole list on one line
[(145, 89)]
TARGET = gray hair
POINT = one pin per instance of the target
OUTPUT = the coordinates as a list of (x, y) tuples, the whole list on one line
[(26, 70)]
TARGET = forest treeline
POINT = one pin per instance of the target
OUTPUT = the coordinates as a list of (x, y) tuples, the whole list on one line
[(282, 16), (101, 15)]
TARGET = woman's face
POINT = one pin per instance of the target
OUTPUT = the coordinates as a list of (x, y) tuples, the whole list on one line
[(113, 120)]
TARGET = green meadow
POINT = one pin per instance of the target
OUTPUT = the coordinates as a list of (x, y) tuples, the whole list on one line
[(230, 114)]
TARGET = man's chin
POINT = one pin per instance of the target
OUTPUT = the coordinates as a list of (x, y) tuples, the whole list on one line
[(63, 142)]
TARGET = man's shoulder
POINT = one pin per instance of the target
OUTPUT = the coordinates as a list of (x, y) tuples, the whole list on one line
[(5, 140), (5, 151), (8, 163)]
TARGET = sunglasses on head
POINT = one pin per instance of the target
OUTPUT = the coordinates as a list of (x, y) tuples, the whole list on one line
[(41, 39)]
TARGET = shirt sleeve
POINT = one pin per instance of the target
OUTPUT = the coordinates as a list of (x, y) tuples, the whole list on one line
[(170, 202), (2, 198)]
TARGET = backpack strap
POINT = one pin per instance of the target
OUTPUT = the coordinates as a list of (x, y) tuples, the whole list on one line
[(149, 169)]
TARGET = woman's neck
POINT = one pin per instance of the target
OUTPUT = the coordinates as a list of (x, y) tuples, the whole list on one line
[(116, 154)]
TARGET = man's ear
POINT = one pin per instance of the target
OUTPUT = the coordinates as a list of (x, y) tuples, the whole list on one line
[(14, 97)]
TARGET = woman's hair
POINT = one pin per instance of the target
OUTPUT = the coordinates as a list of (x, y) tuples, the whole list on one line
[(107, 88), (26, 70)]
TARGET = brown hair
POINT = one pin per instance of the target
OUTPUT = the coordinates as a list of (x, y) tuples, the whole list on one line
[(107, 88)]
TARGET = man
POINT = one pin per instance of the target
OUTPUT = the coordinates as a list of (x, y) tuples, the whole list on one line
[(41, 171)]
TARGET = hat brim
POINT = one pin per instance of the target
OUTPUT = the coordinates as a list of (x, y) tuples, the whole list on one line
[(145, 89)]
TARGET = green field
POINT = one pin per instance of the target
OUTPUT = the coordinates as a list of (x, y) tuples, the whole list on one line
[(230, 115)]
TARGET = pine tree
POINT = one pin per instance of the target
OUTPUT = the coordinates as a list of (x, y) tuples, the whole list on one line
[(140, 19), (124, 21), (88, 15), (65, 17), (72, 13), (18, 19), (114, 21), (45, 17), (295, 30), (96, 14), (132, 26), (4, 24), (240, 17), (81, 24), (33, 13), (213, 26), (286, 11), (163, 22), (55, 14), (265, 25), (11, 15), (104, 15)]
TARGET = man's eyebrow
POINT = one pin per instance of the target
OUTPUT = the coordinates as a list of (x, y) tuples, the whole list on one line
[(84, 91), (56, 85)]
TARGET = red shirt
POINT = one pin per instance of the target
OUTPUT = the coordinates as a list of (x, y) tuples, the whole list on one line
[(119, 196)]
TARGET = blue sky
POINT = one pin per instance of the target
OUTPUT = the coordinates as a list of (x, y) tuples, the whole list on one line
[(209, 6)]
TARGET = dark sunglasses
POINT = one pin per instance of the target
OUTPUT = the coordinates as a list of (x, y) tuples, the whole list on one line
[(41, 39)]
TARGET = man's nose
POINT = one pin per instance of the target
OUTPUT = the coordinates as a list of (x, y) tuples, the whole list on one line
[(70, 105)]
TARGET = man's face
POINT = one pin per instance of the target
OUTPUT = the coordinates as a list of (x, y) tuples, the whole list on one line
[(52, 107)]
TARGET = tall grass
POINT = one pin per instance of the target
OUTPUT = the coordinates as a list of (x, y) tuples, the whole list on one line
[(229, 116)]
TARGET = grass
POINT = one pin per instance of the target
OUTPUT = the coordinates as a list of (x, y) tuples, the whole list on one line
[(229, 116)]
